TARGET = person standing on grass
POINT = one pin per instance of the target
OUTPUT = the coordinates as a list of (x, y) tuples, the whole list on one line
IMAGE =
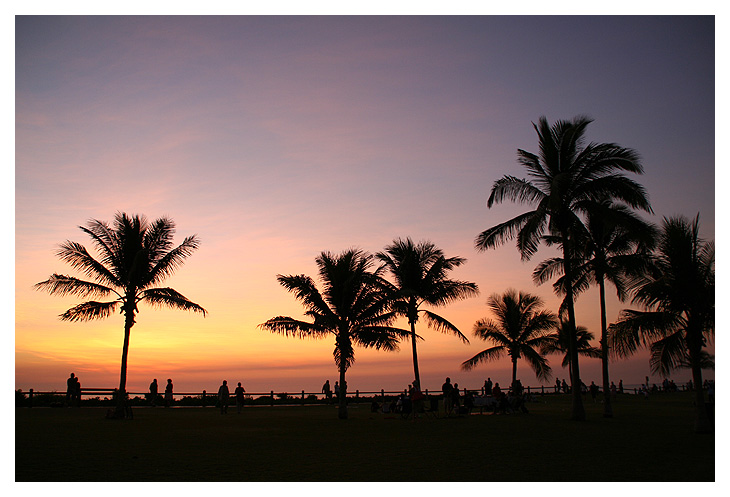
[(455, 397), (223, 396), (168, 393), (337, 391), (77, 392), (447, 389), (239, 397), (153, 392), (70, 389), (327, 391)]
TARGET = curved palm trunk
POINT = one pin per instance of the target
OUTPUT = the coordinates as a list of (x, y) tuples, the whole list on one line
[(342, 409), (514, 370), (416, 373), (120, 411), (702, 419), (578, 412), (607, 408)]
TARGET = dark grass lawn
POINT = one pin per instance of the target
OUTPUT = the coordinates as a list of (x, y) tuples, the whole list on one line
[(645, 441)]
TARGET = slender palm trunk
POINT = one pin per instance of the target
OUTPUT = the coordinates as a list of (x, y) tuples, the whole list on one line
[(578, 412), (342, 410), (702, 419), (607, 408), (416, 373), (514, 370), (120, 410)]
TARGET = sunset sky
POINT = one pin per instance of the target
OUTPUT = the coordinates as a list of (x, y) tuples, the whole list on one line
[(275, 138)]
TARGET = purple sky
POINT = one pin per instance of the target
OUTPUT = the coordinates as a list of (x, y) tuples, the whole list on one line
[(274, 138)]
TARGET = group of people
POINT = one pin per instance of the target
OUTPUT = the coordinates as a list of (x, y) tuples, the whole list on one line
[(73, 391), (224, 396), (327, 391), (153, 393), (501, 402)]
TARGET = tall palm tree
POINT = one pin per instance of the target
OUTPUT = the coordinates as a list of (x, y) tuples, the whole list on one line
[(420, 274), (354, 306), (564, 176), (678, 295), (520, 330), (614, 245), (557, 343), (134, 255)]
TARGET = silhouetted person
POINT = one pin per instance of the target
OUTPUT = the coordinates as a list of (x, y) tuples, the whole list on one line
[(447, 390), (557, 385), (168, 393), (594, 390), (77, 392), (565, 386), (620, 386), (337, 391), (70, 389), (327, 391), (488, 387), (455, 397), (239, 397), (223, 395), (153, 392)]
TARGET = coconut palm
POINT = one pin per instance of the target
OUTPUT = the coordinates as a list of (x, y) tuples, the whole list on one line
[(557, 343), (615, 244), (520, 330), (564, 177), (420, 274), (134, 255), (354, 306), (678, 295)]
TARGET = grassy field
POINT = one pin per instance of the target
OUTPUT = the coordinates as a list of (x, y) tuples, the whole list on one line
[(645, 441)]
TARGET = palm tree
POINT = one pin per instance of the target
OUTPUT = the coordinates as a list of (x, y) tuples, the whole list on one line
[(614, 245), (678, 295), (564, 177), (420, 274), (134, 256), (354, 306), (557, 343), (520, 330)]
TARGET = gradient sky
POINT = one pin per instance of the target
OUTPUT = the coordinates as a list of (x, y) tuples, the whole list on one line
[(274, 138)]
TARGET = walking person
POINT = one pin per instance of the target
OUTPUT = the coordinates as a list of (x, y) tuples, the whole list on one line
[(223, 396), (70, 389), (153, 392), (327, 391), (239, 397), (168, 393), (447, 391)]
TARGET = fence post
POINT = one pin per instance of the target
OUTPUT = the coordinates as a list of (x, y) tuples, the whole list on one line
[(272, 398), (357, 394), (302, 397), (30, 398), (528, 389), (202, 399)]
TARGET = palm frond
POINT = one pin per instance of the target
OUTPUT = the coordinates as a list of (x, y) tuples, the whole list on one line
[(444, 326), (486, 355), (61, 284), (291, 327), (88, 311), (167, 297)]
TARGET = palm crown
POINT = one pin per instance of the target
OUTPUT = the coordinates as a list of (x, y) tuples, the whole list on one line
[(565, 177), (134, 256), (353, 305), (520, 330), (421, 277)]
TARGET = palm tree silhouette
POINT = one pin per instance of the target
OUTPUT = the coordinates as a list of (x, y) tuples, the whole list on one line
[(564, 177), (420, 274), (678, 293), (557, 343), (134, 256), (354, 306), (520, 330), (614, 244)]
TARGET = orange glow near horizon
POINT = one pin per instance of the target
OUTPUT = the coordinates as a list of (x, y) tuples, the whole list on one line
[(276, 138)]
